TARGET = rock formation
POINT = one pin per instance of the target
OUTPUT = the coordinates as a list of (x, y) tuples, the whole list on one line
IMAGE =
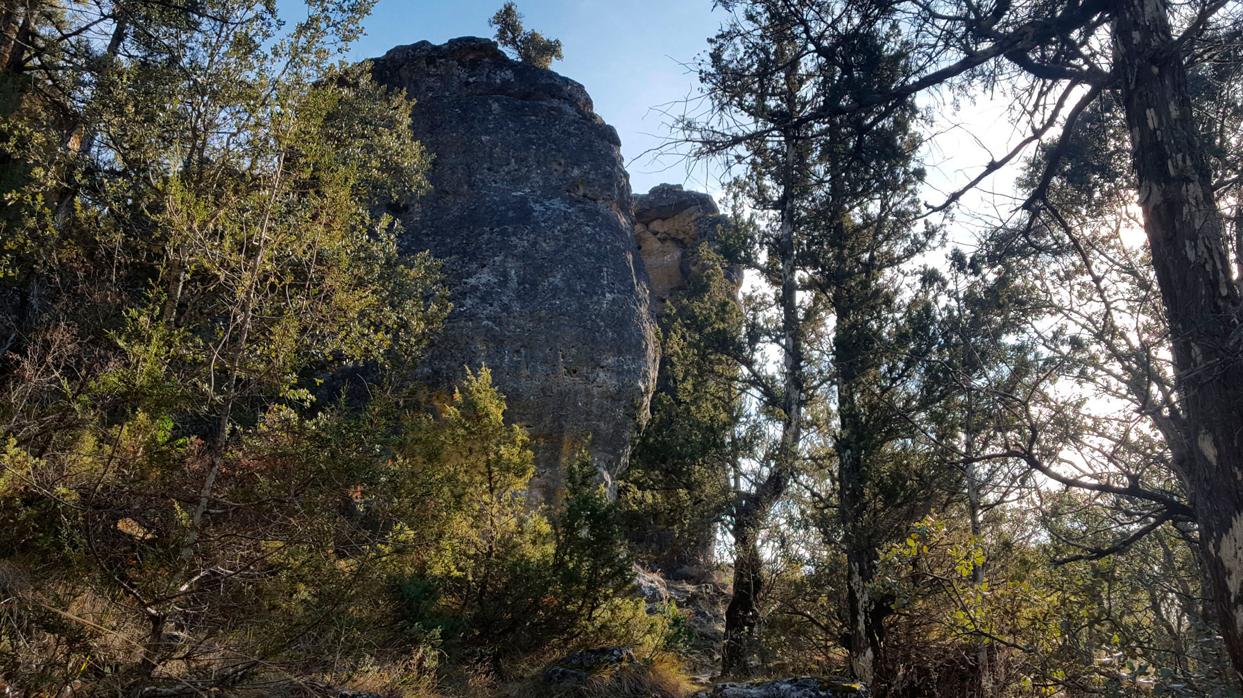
[(578, 668), (530, 212), (669, 223), (673, 228)]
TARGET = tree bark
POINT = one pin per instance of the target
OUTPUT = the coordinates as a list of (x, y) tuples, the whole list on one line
[(1186, 234), (864, 635), (971, 427), (15, 26), (742, 615), (983, 665)]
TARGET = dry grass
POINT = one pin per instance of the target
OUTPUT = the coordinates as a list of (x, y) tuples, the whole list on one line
[(411, 677), (663, 676)]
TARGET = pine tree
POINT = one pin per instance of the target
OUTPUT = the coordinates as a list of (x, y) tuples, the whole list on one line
[(840, 201), (1130, 49)]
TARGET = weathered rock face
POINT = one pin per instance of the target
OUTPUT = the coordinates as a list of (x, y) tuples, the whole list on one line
[(530, 213), (669, 223), (673, 228)]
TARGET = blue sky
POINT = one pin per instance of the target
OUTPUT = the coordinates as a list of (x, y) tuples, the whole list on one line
[(630, 54), (633, 56)]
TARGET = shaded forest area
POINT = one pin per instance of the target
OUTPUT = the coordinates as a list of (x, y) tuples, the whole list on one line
[(1007, 462)]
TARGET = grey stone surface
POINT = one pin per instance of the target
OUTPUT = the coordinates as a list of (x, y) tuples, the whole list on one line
[(577, 668), (665, 201), (531, 214)]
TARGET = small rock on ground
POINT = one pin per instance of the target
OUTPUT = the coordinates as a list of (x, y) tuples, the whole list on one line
[(805, 687)]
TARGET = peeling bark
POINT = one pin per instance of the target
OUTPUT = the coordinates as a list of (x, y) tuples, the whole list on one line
[(15, 27), (1187, 236), (865, 637)]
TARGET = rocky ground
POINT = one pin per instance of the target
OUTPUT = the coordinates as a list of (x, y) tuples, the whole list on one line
[(588, 672)]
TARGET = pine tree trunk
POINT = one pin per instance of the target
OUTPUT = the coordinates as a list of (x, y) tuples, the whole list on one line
[(1202, 301), (864, 636), (16, 21), (970, 362), (865, 642), (742, 614)]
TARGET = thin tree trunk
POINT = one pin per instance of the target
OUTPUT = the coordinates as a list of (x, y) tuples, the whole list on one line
[(863, 635), (1238, 236), (970, 361), (742, 615), (983, 669), (1202, 303), (241, 346)]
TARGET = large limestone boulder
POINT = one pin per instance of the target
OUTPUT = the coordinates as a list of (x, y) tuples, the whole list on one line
[(531, 214), (577, 669)]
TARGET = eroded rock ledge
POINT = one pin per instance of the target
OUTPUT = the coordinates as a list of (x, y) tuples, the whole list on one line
[(669, 223)]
